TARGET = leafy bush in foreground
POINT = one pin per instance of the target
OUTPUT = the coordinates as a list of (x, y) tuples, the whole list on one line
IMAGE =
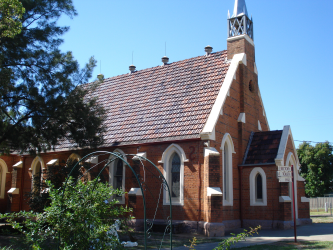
[(84, 218)]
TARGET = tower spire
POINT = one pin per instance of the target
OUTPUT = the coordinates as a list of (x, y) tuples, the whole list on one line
[(239, 23), (239, 8)]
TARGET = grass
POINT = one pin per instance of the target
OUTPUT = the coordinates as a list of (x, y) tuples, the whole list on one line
[(154, 242), (321, 216), (292, 245), (320, 212)]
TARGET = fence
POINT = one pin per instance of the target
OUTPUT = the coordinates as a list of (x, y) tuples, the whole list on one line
[(319, 202)]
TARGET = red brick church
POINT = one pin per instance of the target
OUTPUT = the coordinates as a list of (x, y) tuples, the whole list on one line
[(202, 122)]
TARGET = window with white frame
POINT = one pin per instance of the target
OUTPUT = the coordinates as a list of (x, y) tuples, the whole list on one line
[(227, 147), (37, 167), (3, 171), (258, 187), (173, 159), (117, 174), (174, 177)]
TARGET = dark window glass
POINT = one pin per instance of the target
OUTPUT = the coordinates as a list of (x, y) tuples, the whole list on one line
[(37, 177), (175, 176), (118, 175), (259, 186), (225, 173)]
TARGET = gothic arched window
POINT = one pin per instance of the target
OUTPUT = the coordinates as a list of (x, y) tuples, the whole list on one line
[(258, 187), (117, 174), (173, 159), (227, 147), (175, 177), (258, 181)]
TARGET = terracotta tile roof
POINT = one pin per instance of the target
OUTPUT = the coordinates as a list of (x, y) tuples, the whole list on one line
[(264, 147), (162, 103)]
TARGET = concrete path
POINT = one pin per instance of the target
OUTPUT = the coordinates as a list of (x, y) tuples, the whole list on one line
[(313, 232)]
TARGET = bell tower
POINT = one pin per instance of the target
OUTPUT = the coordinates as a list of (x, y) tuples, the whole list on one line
[(240, 23), (240, 31)]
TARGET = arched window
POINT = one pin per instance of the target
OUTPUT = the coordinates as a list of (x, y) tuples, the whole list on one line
[(73, 159), (173, 159), (258, 184), (226, 170), (175, 177), (3, 171), (258, 188), (117, 174), (37, 167), (227, 147)]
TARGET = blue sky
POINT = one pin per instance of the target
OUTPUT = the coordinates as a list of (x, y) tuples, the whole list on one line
[(293, 41)]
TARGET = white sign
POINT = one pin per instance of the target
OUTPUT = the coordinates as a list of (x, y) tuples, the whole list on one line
[(285, 179), (284, 168), (284, 173)]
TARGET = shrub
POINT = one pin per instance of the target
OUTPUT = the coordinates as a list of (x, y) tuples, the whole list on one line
[(83, 217)]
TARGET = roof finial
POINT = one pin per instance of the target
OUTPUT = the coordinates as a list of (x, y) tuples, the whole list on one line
[(239, 8)]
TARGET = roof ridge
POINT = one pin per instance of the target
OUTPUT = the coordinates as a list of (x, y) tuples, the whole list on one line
[(161, 66)]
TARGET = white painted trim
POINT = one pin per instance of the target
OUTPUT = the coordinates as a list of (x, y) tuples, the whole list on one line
[(93, 159), (166, 156), (227, 137), (304, 199), (231, 149), (111, 172), (4, 171), (263, 109), (214, 191), (211, 151), (233, 38), (138, 156), (259, 126), (284, 199), (53, 161), (282, 146), (241, 118), (223, 93), (13, 191), (18, 164), (255, 68), (135, 191), (253, 174)]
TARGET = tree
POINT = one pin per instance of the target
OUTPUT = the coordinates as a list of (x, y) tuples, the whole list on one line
[(10, 13), (43, 99), (316, 168)]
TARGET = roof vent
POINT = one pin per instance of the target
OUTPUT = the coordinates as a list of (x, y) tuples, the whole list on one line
[(132, 68), (100, 77), (165, 60), (208, 50)]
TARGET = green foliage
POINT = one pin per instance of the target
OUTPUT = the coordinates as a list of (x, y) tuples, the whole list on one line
[(83, 217), (11, 12), (43, 99), (227, 243), (39, 198), (316, 168), (193, 243)]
